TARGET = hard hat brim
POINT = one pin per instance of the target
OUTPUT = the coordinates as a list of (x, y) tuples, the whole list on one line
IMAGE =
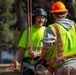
[(59, 11)]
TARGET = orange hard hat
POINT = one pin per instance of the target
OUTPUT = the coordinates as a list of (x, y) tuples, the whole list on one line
[(58, 7)]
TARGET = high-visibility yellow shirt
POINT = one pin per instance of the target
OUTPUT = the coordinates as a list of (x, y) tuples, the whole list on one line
[(37, 36)]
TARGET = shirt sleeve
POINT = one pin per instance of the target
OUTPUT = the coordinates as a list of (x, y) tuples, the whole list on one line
[(23, 40), (49, 38)]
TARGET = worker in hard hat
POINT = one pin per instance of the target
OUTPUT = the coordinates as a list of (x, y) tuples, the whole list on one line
[(59, 43), (39, 18)]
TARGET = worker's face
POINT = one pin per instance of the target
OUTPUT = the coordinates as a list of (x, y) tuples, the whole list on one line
[(40, 21)]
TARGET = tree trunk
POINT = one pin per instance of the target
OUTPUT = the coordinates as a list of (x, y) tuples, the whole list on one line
[(73, 1), (0, 56), (21, 16)]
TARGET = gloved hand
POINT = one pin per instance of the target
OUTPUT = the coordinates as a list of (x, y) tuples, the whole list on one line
[(15, 66)]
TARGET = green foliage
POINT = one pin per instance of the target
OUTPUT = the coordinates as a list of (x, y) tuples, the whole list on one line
[(8, 19)]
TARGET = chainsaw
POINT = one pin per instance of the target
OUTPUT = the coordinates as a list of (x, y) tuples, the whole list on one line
[(38, 68)]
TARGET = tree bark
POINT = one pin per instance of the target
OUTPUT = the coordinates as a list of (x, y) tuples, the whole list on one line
[(21, 16), (0, 56), (74, 1)]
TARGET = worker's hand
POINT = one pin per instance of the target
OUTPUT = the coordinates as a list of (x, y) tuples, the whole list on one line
[(33, 54), (15, 66)]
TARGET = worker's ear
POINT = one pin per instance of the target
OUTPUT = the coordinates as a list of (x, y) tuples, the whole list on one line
[(45, 20)]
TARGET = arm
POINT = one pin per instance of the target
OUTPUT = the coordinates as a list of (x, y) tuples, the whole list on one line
[(15, 65), (22, 45), (48, 42), (20, 54), (44, 51)]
